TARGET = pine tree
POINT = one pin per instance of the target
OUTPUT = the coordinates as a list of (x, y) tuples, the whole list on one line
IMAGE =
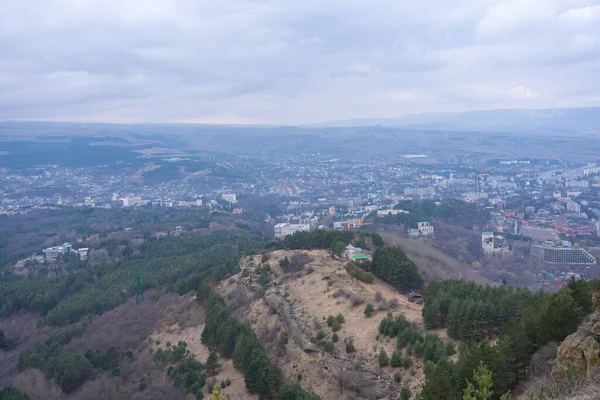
[(482, 390), (397, 359), (212, 364), (383, 358), (3, 341), (439, 381)]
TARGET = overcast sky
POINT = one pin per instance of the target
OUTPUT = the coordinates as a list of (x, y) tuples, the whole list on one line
[(283, 61)]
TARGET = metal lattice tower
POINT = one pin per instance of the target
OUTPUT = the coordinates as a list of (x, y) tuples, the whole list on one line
[(139, 290)]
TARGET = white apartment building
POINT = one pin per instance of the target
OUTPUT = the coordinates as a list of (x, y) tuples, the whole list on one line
[(577, 184), (573, 207), (83, 253), (131, 201), (383, 213), (425, 228), (487, 242), (51, 254), (230, 198), (283, 229)]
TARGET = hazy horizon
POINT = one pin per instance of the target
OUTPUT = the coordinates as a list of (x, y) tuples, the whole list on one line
[(273, 63)]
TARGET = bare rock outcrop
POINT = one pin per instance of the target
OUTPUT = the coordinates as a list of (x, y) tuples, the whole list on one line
[(294, 328), (368, 383), (581, 350)]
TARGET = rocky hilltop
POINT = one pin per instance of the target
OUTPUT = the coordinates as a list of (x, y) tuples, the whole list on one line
[(581, 350), (288, 311)]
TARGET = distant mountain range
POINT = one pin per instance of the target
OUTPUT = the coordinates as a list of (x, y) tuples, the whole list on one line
[(549, 120)]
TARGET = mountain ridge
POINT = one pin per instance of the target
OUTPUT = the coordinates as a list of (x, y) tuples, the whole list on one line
[(557, 119)]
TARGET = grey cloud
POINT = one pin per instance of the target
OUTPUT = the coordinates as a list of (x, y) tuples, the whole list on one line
[(282, 61)]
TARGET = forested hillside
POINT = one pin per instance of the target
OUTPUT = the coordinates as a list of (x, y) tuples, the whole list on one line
[(177, 264), (453, 211), (522, 323), (180, 263), (501, 329)]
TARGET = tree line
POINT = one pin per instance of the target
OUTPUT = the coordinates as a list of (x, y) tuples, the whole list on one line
[(471, 311), (393, 266), (335, 241)]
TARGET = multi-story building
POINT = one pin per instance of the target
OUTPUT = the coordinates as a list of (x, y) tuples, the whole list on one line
[(577, 184), (424, 191), (383, 213), (51, 254), (283, 229), (562, 255), (473, 197), (573, 207), (353, 223), (539, 234), (230, 198), (83, 253), (487, 242), (131, 201), (425, 228)]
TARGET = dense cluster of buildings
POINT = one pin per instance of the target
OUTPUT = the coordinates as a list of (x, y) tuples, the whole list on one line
[(548, 202)]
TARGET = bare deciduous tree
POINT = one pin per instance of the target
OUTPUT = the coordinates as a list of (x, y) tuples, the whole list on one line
[(346, 375), (34, 383)]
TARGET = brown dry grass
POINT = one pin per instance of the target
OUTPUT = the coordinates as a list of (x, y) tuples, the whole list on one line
[(191, 336), (313, 300)]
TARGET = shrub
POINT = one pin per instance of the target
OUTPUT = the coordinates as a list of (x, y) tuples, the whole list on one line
[(144, 380), (328, 346), (383, 358), (356, 300), (350, 347), (297, 262), (338, 293), (285, 263), (335, 338), (405, 393), (340, 318), (336, 326), (264, 258), (397, 377), (357, 272), (369, 310), (450, 349), (378, 296), (320, 335), (330, 320)]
